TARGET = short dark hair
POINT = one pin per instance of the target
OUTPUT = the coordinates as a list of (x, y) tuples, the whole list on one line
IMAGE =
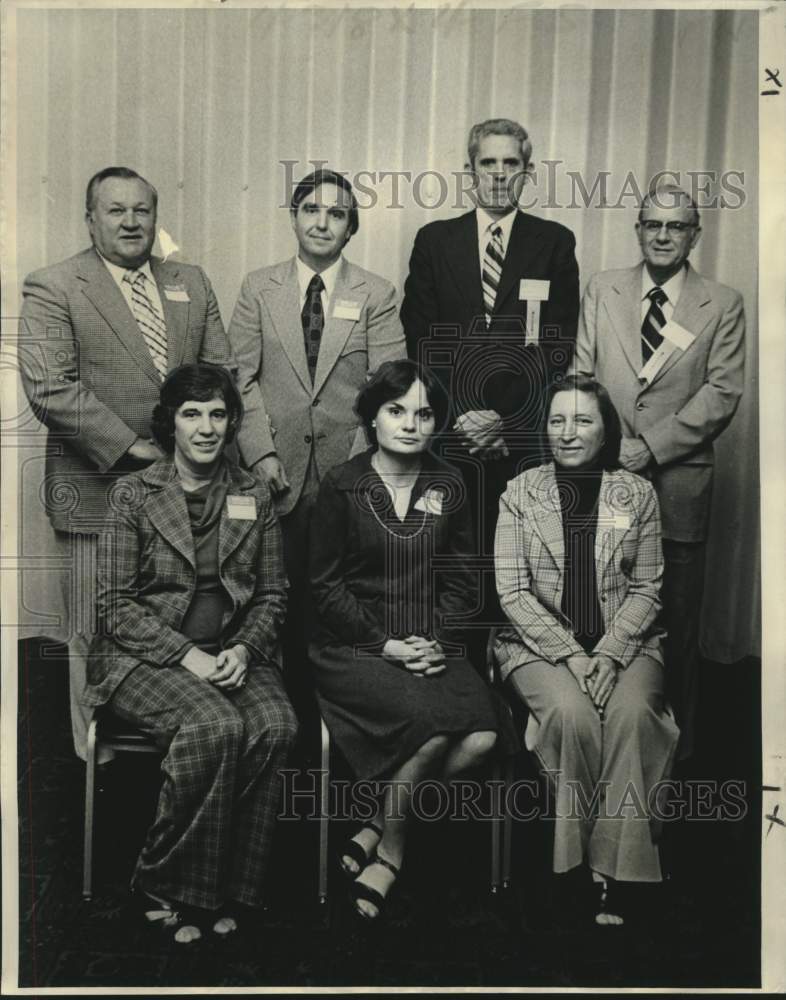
[(125, 173), (609, 455), (201, 382), (323, 176), (392, 380)]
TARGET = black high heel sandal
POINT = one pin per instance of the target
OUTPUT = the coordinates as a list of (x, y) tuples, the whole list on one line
[(361, 891), (353, 850), (609, 902)]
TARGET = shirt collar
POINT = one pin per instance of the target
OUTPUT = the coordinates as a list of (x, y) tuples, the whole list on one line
[(672, 287), (328, 276), (485, 222), (119, 273)]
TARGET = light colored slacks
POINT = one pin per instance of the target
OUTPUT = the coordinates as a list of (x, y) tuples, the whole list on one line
[(603, 773)]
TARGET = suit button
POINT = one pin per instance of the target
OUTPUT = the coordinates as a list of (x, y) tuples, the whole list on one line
[(315, 403), (307, 439), (640, 406)]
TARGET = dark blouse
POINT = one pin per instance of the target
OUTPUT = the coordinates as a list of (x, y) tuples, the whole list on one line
[(578, 493), (202, 623)]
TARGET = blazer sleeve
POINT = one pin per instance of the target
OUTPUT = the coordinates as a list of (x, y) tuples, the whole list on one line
[(121, 616), (384, 333), (215, 348), (540, 629), (420, 308), (710, 409), (49, 368), (263, 617), (458, 589), (246, 338), (584, 358), (632, 623), (338, 608)]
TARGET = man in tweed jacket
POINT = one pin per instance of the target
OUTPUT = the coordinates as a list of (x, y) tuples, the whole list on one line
[(91, 377)]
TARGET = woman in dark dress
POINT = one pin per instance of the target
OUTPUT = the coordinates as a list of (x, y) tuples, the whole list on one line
[(391, 534)]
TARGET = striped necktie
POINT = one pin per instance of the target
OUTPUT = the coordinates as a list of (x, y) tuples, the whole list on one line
[(149, 319), (493, 259), (654, 321), (313, 319)]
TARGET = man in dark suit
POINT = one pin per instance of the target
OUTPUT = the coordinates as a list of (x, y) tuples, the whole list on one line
[(99, 331), (491, 305), (669, 345)]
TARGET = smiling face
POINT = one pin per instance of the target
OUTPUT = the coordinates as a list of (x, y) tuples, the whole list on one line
[(575, 429), (500, 169), (666, 249), (122, 221), (200, 434), (321, 223), (405, 425)]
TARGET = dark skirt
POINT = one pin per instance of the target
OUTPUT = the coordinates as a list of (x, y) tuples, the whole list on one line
[(380, 714)]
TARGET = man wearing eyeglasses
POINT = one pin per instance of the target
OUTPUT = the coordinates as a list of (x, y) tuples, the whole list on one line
[(668, 344)]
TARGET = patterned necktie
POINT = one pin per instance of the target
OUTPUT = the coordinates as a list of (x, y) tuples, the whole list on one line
[(493, 259), (149, 319), (654, 321), (313, 318)]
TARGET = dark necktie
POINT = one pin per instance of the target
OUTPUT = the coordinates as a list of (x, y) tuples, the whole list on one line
[(654, 321), (313, 318)]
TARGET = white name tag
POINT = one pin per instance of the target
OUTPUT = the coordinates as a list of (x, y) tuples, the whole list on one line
[(344, 309), (533, 290), (242, 508), (177, 294), (678, 335), (620, 521), (657, 361), (430, 502)]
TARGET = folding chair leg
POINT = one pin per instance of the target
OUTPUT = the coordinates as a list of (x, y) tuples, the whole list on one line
[(90, 785), (324, 812), (507, 836), (495, 827)]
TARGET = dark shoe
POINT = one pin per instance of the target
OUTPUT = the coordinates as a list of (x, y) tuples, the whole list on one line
[(353, 850), (362, 891)]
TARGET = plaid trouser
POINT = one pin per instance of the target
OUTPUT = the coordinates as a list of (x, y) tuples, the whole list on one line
[(211, 837)]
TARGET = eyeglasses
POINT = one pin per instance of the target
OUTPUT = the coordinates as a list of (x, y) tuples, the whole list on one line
[(651, 226)]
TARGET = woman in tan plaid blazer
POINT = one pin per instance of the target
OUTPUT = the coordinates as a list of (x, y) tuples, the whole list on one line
[(579, 565), (191, 597)]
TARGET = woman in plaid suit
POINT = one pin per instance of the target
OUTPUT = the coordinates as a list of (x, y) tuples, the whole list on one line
[(191, 596), (579, 564)]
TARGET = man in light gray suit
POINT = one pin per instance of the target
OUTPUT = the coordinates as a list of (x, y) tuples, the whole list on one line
[(98, 333), (669, 345), (306, 333)]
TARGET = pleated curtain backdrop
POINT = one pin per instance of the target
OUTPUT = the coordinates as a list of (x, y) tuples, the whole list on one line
[(222, 108)]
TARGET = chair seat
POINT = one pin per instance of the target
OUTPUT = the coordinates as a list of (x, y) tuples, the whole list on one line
[(112, 731)]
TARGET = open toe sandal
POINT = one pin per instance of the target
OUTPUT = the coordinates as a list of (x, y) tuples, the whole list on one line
[(371, 895), (353, 850)]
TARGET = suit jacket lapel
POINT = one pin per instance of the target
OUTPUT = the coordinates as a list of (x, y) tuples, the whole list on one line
[(690, 313), (350, 285), (464, 259), (523, 248), (282, 296), (101, 289), (168, 514), (232, 531), (615, 519), (624, 312), (547, 515), (175, 313)]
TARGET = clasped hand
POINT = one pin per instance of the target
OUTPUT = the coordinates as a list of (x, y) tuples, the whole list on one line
[(227, 670), (422, 657), (595, 675), (481, 432)]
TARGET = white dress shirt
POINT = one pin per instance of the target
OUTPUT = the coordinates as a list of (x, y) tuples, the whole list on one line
[(486, 224), (328, 276), (119, 273), (672, 288)]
